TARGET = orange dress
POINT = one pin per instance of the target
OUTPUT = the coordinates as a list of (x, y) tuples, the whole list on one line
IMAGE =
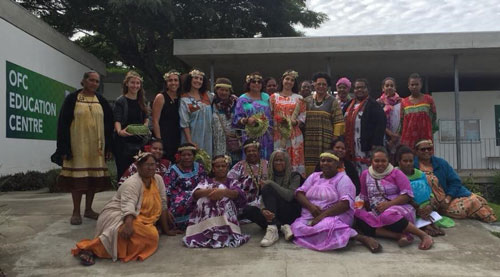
[(144, 240)]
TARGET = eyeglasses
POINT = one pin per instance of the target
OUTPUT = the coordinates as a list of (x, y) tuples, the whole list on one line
[(255, 81), (426, 149)]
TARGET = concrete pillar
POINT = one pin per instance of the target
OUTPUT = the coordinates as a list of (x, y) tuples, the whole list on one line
[(457, 113), (212, 77), (329, 66)]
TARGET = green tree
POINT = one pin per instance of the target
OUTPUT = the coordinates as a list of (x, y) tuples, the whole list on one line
[(140, 33)]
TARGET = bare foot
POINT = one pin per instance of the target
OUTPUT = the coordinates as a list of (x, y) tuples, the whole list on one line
[(91, 214), (405, 240), (76, 220), (370, 243), (426, 243)]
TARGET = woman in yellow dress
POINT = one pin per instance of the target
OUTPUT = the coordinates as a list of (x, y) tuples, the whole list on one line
[(84, 138)]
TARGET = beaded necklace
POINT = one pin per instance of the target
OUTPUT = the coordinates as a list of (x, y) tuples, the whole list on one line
[(252, 175)]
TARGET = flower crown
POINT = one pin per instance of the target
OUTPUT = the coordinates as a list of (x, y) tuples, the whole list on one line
[(170, 73), (141, 155), (196, 72), (292, 73), (134, 74), (253, 77), (226, 159)]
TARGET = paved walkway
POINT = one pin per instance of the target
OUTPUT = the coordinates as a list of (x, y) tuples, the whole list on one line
[(36, 238)]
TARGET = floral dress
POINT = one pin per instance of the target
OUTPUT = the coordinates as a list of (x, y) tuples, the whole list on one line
[(248, 177), (179, 186), (291, 107), (214, 224), (246, 107)]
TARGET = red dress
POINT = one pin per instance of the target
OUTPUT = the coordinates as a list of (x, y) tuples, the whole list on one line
[(418, 121)]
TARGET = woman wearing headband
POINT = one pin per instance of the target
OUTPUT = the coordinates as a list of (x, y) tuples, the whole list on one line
[(195, 112), (226, 140), (386, 192), (165, 114), (180, 180), (288, 110), (214, 222), (130, 108), (126, 226), (251, 173), (454, 199), (252, 103), (327, 200), (280, 207)]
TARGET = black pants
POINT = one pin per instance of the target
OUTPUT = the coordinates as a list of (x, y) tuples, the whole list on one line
[(396, 227), (285, 211)]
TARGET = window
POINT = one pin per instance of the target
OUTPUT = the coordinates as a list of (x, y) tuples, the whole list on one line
[(469, 130)]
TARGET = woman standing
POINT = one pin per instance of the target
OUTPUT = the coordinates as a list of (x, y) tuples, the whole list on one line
[(386, 193), (226, 140), (454, 199), (288, 110), (418, 114), (84, 140), (130, 108), (196, 112), (324, 121), (343, 86), (391, 103), (252, 104), (214, 220), (126, 227), (365, 124), (166, 114)]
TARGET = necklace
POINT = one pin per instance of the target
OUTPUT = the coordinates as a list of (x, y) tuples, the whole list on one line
[(255, 179), (318, 104)]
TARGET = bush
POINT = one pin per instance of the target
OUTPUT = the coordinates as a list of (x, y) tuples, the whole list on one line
[(31, 180)]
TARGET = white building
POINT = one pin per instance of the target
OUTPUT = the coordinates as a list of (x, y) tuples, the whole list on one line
[(474, 58), (38, 66)]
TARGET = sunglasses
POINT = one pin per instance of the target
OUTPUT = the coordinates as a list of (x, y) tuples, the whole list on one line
[(256, 81), (426, 149)]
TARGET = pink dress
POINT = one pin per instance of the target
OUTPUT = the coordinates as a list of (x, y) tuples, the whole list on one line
[(389, 187), (332, 232)]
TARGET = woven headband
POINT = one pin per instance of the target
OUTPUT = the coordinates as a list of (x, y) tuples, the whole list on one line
[(329, 155)]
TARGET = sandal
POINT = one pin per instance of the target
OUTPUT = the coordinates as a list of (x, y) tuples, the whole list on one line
[(76, 220), (91, 214), (86, 258)]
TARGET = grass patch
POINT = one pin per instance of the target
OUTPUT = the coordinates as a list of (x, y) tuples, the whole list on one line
[(496, 234), (496, 208)]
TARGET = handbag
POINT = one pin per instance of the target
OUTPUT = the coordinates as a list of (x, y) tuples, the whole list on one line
[(233, 141)]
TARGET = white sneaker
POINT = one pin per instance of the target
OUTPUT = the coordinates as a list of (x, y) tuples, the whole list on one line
[(287, 231), (271, 236)]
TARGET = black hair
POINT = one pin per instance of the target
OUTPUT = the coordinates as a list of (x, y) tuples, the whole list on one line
[(386, 79), (188, 144), (246, 86), (295, 88), (415, 76), (403, 149), (379, 149), (187, 84), (362, 80), (323, 75), (179, 89)]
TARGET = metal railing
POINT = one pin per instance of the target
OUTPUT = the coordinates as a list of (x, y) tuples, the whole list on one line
[(483, 154)]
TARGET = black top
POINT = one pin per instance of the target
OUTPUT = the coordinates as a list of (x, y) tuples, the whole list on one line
[(135, 114), (170, 129)]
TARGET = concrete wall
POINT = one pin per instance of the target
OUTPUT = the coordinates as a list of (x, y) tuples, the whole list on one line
[(18, 155), (473, 105)]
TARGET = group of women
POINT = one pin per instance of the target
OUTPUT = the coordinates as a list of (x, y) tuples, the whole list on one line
[(317, 169)]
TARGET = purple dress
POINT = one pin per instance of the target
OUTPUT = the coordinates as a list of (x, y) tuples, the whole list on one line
[(242, 172), (389, 187), (214, 224), (246, 107), (332, 232), (179, 186)]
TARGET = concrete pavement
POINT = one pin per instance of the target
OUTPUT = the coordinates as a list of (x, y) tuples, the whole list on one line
[(36, 238)]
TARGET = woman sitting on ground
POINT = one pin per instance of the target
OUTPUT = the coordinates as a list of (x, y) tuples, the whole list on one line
[(454, 200), (214, 222), (344, 165), (386, 193), (423, 201), (251, 173), (156, 148), (180, 180), (327, 200), (281, 208), (126, 226)]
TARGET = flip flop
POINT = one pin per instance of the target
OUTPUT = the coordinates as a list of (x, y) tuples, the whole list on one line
[(91, 215), (86, 258), (75, 220)]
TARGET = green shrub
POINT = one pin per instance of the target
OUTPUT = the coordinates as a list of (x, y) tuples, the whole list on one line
[(31, 180)]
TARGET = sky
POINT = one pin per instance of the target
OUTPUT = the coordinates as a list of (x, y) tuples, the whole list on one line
[(363, 17)]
